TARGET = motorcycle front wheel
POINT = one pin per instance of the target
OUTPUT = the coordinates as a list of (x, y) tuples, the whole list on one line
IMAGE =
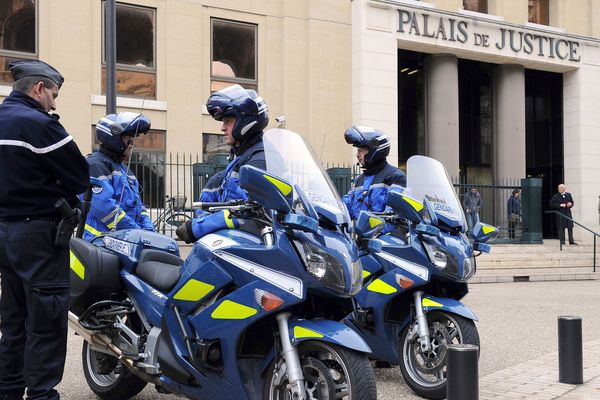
[(330, 372), (425, 372), (107, 377)]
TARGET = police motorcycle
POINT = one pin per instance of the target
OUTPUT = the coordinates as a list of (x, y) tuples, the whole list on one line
[(409, 308), (250, 314)]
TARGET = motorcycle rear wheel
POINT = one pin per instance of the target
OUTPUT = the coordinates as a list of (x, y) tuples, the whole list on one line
[(425, 373), (117, 384), (330, 372)]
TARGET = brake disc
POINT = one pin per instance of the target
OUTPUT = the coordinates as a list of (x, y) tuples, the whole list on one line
[(433, 360)]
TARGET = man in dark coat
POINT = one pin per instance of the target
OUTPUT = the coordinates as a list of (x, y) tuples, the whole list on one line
[(40, 164), (563, 202)]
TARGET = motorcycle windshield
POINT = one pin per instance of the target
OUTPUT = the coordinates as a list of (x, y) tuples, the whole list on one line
[(427, 179), (291, 158)]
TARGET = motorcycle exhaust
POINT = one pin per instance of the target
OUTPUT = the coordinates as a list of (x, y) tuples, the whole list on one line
[(101, 340)]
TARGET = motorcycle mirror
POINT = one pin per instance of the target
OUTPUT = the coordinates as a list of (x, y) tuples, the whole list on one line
[(427, 229), (368, 225), (371, 245), (268, 190), (483, 233), (406, 207), (301, 222), (484, 248)]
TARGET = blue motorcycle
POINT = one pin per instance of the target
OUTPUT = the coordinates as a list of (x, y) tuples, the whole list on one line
[(409, 311), (250, 314)]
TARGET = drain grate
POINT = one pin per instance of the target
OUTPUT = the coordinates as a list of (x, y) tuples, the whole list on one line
[(521, 278)]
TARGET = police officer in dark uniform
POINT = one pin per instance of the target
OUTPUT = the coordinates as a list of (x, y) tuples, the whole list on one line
[(244, 115), (40, 164)]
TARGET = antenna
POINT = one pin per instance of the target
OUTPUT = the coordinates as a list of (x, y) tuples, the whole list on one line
[(114, 228), (322, 146)]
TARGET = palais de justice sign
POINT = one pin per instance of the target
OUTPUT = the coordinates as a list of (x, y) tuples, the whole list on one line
[(503, 39)]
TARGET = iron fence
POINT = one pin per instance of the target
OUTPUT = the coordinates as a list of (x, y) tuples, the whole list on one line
[(181, 178)]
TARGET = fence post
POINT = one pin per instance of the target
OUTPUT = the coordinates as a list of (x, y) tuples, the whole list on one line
[(462, 372), (570, 351), (531, 205)]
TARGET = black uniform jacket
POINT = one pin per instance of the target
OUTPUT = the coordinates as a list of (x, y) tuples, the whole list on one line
[(39, 161), (558, 199)]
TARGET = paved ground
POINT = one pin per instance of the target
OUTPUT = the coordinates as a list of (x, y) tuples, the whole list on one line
[(518, 330)]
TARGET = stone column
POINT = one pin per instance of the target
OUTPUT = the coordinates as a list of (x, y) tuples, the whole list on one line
[(442, 110), (509, 122)]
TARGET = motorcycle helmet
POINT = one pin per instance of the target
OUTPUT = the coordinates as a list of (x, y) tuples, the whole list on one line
[(249, 109), (111, 127), (373, 139)]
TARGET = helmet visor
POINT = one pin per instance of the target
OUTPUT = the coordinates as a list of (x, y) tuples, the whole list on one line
[(354, 137)]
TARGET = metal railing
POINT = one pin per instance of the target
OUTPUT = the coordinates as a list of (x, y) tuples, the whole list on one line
[(562, 230)]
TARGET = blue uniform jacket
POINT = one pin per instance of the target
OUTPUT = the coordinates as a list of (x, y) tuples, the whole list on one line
[(369, 190), (115, 192), (39, 161), (224, 186)]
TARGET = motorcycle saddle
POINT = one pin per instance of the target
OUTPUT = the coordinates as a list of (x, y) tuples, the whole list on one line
[(159, 269)]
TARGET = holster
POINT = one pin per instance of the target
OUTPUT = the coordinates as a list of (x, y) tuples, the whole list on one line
[(65, 229)]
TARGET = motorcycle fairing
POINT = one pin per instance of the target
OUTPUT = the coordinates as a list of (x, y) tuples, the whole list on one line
[(301, 330), (431, 303), (146, 298)]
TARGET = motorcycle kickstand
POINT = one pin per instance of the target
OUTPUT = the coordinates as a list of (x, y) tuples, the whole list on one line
[(292, 359)]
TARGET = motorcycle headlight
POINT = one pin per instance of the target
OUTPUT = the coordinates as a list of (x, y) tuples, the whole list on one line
[(323, 266), (469, 268), (442, 259), (357, 277)]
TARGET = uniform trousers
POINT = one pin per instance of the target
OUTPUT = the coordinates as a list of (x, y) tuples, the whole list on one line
[(34, 304)]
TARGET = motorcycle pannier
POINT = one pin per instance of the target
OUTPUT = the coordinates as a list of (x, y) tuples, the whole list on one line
[(94, 275)]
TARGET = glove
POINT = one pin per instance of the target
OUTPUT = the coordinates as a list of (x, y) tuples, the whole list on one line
[(184, 232)]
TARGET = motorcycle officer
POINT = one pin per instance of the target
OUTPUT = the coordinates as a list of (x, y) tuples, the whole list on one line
[(41, 167), (369, 190), (116, 201), (244, 115)]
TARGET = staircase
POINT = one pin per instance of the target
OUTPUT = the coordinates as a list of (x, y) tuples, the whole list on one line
[(542, 262)]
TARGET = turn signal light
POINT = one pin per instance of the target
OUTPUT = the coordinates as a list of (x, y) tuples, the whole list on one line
[(267, 301), (403, 281)]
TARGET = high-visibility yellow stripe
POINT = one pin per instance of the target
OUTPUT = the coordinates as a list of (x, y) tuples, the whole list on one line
[(281, 186), (379, 286), (374, 222), (231, 310), (76, 265), (300, 332), (145, 213), (119, 218), (417, 205), (430, 303), (228, 219), (93, 231), (487, 229), (365, 273), (193, 290)]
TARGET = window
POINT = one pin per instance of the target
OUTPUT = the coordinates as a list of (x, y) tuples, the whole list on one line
[(233, 54), (214, 149), (538, 12), (18, 33), (475, 5), (136, 64)]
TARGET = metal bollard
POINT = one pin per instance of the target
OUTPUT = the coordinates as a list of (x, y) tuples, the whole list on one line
[(570, 349), (462, 373)]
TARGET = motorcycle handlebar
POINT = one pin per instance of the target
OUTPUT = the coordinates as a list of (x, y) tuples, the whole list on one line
[(204, 205)]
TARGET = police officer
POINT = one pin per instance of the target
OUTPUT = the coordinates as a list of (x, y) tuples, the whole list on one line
[(116, 201), (39, 165), (244, 115), (369, 190)]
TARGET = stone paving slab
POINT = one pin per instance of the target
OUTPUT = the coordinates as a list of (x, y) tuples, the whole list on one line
[(538, 379)]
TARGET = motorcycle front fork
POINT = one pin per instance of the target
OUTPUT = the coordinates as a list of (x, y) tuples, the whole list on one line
[(292, 359), (422, 326)]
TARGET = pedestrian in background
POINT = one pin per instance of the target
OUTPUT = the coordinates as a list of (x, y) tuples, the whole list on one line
[(563, 202), (40, 164), (472, 206), (513, 208)]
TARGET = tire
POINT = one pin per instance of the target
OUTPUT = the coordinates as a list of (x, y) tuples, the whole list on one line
[(118, 384), (330, 372), (425, 374), (176, 220)]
